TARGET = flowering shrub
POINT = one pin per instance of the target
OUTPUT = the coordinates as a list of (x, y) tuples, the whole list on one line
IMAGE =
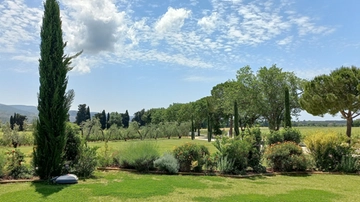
[(286, 156), (327, 149), (191, 156), (284, 135), (167, 163)]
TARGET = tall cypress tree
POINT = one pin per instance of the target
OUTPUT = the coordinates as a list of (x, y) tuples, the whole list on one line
[(88, 115), (53, 101)]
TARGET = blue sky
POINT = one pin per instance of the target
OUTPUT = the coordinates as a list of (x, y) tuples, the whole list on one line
[(148, 54)]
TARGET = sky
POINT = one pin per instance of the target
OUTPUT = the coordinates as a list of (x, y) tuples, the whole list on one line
[(148, 54)]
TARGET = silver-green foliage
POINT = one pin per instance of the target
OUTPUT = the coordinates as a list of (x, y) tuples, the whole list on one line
[(225, 165), (139, 155), (167, 163)]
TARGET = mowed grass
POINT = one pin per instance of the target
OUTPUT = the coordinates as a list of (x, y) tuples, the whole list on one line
[(124, 186)]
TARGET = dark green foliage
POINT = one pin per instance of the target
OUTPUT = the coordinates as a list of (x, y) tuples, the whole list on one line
[(73, 143), (253, 136), (286, 134), (236, 119), (287, 109), (108, 121), (349, 164), (139, 155), (125, 119), (167, 163), (286, 156), (2, 163), (83, 114), (191, 156), (330, 94), (53, 101), (138, 117), (17, 119), (87, 162), (291, 134)]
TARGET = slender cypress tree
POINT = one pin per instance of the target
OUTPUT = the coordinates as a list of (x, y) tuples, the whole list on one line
[(88, 115), (53, 101), (287, 109), (236, 119)]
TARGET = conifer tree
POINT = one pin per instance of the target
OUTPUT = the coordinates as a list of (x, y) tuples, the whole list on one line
[(287, 109), (88, 115), (236, 119), (53, 100)]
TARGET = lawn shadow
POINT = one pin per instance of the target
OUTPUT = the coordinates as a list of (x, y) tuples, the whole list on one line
[(45, 188)]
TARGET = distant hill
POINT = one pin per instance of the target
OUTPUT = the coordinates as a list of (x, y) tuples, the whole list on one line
[(30, 112)]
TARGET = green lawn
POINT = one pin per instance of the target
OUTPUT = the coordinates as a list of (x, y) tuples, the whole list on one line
[(124, 186)]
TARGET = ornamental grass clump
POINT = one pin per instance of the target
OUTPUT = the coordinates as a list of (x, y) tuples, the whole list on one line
[(191, 156), (286, 156), (139, 155)]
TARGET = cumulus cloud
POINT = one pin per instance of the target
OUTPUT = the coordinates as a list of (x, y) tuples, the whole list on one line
[(172, 20)]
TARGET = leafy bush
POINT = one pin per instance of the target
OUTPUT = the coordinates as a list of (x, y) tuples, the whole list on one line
[(2, 163), (87, 162), (235, 150), (274, 137), (327, 149), (73, 142), (286, 156), (191, 156), (284, 135), (253, 136), (139, 155), (291, 135), (349, 164), (211, 162), (15, 167), (167, 163)]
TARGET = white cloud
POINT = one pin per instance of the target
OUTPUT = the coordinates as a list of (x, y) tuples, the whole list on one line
[(208, 23), (285, 41), (172, 20)]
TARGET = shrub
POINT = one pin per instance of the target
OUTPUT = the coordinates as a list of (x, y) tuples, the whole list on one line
[(87, 162), (167, 163), (191, 156), (235, 150), (349, 164), (73, 142), (286, 156), (106, 156), (253, 136), (274, 137), (284, 135), (15, 167), (211, 162), (139, 155), (291, 135), (327, 149), (2, 163)]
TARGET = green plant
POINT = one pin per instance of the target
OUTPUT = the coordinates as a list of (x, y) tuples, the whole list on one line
[(139, 155), (349, 164), (327, 149), (286, 156), (15, 166), (274, 137), (191, 156), (73, 142), (211, 162), (105, 156), (87, 162), (225, 165), (236, 150), (2, 163), (291, 134), (167, 163)]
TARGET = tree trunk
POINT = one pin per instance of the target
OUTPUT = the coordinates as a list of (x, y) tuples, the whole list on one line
[(348, 127), (231, 126)]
